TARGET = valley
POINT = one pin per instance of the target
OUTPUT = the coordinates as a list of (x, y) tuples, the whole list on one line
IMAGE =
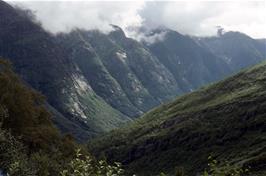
[(225, 120), (160, 102)]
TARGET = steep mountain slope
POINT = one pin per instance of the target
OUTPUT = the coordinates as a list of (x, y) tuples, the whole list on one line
[(191, 64), (156, 78), (138, 81), (96, 73), (225, 120), (133, 77), (42, 63), (237, 49), (263, 41)]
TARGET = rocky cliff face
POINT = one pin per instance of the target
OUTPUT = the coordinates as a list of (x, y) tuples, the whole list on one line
[(121, 70)]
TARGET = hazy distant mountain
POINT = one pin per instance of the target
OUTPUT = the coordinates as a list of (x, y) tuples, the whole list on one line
[(263, 42), (191, 64), (237, 49)]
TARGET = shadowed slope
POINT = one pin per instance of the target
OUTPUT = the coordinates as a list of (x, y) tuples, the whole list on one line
[(226, 120)]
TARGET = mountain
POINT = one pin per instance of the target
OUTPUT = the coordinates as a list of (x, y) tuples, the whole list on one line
[(191, 64), (263, 42), (43, 64), (225, 120), (96, 73), (235, 48), (134, 77), (120, 70), (95, 82)]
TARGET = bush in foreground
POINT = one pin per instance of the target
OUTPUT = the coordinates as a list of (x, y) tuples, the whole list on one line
[(86, 166)]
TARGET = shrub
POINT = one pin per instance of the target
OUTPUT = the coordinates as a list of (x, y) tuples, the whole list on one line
[(87, 166), (227, 170), (13, 158)]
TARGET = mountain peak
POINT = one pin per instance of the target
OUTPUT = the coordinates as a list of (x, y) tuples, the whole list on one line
[(235, 34), (117, 32)]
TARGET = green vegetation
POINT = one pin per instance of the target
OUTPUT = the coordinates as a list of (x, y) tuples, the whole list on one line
[(13, 156), (29, 143), (226, 119), (86, 166), (228, 170)]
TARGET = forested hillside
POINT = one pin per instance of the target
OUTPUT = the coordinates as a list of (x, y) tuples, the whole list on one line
[(225, 120), (29, 142)]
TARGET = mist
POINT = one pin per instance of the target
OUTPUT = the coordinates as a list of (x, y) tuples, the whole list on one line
[(192, 18)]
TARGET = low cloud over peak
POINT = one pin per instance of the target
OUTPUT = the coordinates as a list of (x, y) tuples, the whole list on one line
[(193, 18)]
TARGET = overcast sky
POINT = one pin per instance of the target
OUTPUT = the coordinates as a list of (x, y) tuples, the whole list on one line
[(194, 18)]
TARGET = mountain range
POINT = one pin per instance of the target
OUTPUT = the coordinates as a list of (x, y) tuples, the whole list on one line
[(95, 82)]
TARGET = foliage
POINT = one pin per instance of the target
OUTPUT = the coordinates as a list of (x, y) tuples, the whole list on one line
[(29, 143), (86, 166), (228, 170), (13, 156)]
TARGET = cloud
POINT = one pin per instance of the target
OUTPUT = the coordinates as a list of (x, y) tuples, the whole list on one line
[(63, 16), (147, 35), (201, 18), (198, 18)]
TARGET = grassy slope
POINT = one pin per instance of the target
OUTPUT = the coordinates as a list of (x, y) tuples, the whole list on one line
[(226, 119)]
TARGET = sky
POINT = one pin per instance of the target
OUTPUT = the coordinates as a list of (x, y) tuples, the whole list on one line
[(197, 18)]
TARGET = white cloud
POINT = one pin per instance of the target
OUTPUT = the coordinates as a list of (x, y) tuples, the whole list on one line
[(202, 17), (62, 16), (194, 18), (146, 35)]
